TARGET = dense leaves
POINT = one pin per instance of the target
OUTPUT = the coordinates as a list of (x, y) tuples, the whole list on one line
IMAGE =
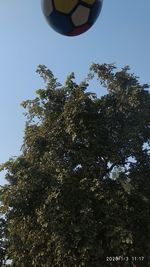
[(79, 193)]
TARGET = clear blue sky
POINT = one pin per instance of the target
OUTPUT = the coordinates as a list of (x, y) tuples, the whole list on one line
[(120, 35)]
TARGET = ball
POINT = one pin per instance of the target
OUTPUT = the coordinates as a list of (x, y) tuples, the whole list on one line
[(71, 17)]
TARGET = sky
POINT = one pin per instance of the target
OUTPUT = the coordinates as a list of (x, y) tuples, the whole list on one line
[(121, 35)]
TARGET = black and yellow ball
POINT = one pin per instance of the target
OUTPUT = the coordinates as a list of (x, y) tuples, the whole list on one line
[(71, 17)]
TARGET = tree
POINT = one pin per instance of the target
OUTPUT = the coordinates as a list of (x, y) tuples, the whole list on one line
[(2, 246), (78, 195)]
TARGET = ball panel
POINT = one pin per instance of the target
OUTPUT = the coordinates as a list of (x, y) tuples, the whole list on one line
[(79, 30), (90, 2), (80, 15), (60, 22), (47, 7), (95, 11), (65, 6)]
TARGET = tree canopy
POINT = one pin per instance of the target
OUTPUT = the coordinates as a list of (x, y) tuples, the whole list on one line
[(79, 192)]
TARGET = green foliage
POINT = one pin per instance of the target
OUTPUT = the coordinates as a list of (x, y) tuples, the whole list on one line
[(80, 190)]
